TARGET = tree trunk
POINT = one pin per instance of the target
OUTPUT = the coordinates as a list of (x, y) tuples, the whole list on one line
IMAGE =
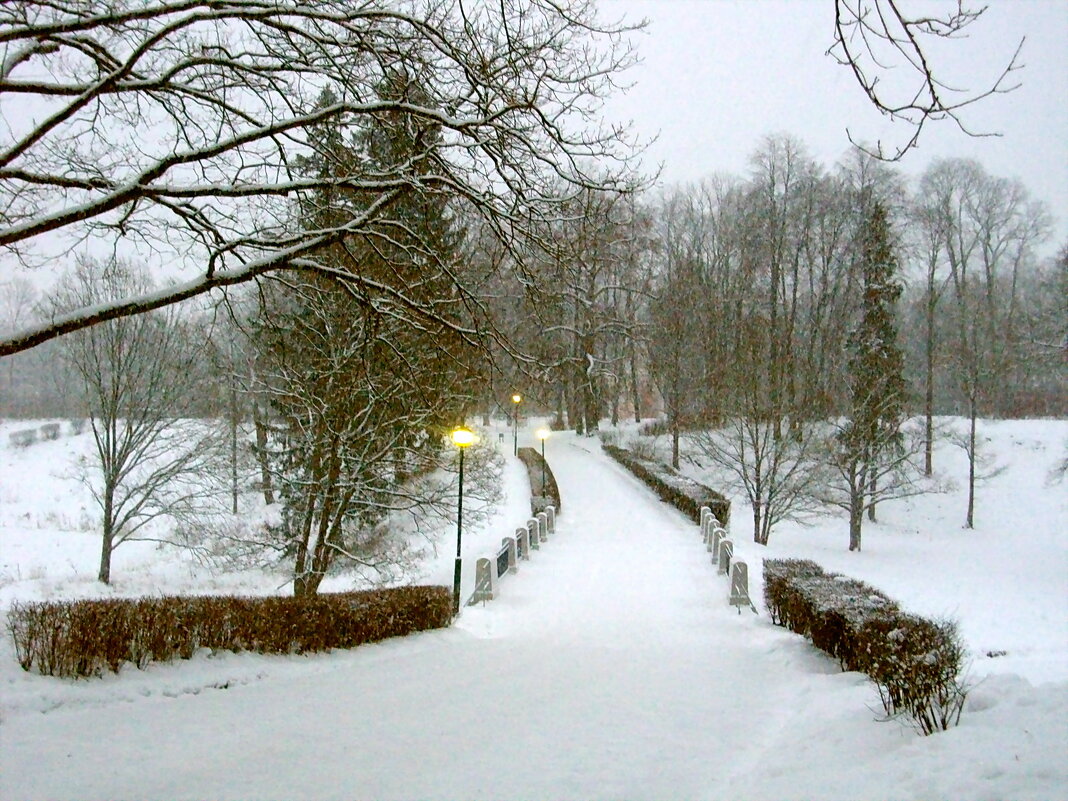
[(873, 486), (856, 520), (107, 540), (765, 529), (757, 528), (857, 493), (928, 398), (261, 455), (675, 441), (970, 522), (233, 441), (634, 396), (307, 584)]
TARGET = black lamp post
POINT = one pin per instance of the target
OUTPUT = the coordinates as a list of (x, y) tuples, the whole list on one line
[(516, 398), (543, 434), (461, 438)]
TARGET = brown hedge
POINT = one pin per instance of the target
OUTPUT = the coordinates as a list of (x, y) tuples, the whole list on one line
[(540, 496), (85, 638), (683, 493), (915, 663)]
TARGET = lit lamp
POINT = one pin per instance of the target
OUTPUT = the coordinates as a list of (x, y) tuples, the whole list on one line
[(461, 438), (516, 398), (542, 434)]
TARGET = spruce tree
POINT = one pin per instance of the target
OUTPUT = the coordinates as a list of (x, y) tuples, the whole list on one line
[(360, 393), (877, 387)]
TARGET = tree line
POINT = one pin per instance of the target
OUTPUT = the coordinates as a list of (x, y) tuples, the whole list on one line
[(395, 214)]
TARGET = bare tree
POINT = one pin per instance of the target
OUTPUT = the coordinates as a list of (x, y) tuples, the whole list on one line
[(138, 376), (859, 480), (782, 477), (230, 93), (874, 37), (675, 313), (990, 227), (18, 302)]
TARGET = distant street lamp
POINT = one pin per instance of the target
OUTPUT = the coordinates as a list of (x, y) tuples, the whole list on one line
[(543, 434), (461, 438), (516, 398)]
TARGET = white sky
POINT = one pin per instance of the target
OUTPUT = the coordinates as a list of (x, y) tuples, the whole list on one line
[(717, 75)]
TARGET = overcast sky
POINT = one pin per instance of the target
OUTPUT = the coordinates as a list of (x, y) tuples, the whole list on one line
[(717, 75)]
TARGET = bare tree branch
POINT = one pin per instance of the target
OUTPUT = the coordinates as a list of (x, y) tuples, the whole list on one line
[(874, 37), (177, 127)]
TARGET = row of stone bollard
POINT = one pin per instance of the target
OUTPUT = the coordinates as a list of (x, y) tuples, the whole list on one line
[(489, 572), (721, 548)]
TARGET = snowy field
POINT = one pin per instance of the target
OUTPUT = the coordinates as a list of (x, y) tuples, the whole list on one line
[(611, 667)]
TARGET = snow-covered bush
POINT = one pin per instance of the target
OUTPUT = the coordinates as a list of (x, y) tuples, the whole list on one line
[(85, 638), (685, 494), (540, 496), (915, 663)]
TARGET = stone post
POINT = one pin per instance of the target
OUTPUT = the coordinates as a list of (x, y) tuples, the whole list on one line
[(726, 551), (485, 581), (550, 518), (740, 587), (718, 535), (513, 561), (522, 538), (543, 526), (532, 532)]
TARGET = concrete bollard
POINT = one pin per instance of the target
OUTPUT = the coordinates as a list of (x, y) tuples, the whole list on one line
[(543, 526), (513, 561), (522, 538), (705, 514), (485, 581), (726, 551), (740, 587), (718, 535), (550, 518), (532, 533)]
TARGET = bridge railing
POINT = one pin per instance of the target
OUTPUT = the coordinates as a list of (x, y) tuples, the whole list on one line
[(721, 548), (489, 571)]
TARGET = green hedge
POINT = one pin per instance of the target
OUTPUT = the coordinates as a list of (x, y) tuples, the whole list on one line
[(915, 663), (540, 496), (85, 638), (683, 493)]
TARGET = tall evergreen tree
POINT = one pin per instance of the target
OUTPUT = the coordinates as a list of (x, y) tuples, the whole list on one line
[(877, 386), (362, 395)]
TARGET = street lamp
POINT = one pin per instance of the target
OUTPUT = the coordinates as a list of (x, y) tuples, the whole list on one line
[(542, 434), (461, 438), (515, 424)]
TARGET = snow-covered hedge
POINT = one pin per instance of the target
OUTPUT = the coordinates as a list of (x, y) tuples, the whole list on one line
[(915, 663), (540, 496), (85, 638), (683, 493)]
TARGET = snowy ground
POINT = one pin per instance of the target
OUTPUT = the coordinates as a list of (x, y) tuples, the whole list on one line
[(610, 668)]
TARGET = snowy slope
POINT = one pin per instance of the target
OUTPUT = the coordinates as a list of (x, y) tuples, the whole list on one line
[(610, 668)]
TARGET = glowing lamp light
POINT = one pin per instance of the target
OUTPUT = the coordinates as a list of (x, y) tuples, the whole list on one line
[(462, 437)]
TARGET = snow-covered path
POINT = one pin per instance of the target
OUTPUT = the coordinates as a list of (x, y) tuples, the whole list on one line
[(611, 667)]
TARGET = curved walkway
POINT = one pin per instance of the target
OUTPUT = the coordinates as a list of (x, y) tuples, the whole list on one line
[(611, 667)]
